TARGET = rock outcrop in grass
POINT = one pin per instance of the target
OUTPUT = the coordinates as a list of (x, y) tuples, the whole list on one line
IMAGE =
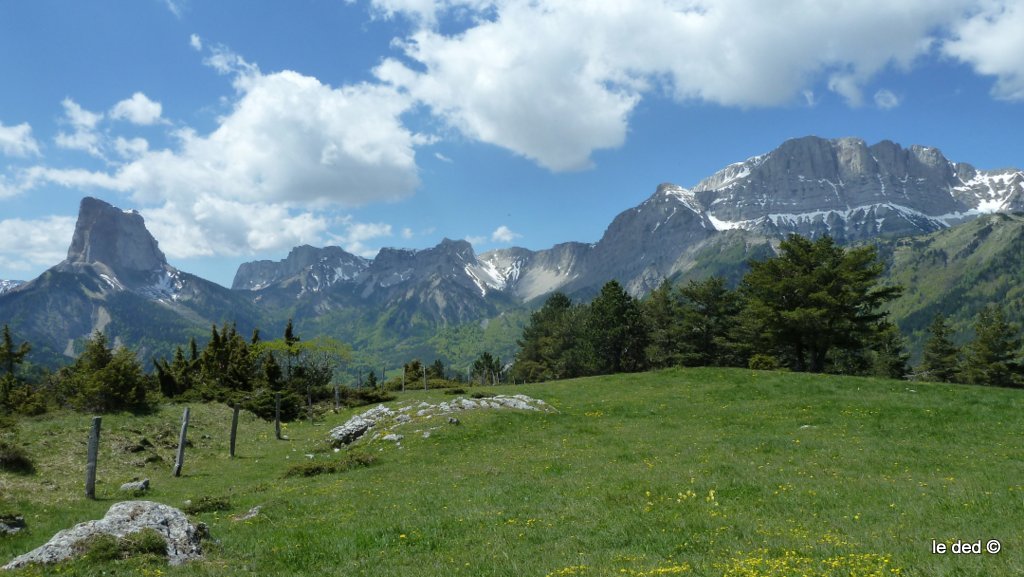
[(357, 426), (121, 520)]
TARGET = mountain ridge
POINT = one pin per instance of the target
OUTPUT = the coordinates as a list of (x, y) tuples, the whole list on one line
[(116, 277)]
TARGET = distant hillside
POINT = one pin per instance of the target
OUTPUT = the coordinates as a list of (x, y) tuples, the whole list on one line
[(956, 272)]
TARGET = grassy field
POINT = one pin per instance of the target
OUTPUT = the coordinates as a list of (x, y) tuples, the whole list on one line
[(703, 472)]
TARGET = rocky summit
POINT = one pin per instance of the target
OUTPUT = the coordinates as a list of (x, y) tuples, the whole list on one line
[(853, 191)]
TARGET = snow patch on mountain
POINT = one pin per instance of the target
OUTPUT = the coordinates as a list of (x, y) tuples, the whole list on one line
[(7, 286)]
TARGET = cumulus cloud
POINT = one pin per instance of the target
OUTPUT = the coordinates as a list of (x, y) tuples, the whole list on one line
[(30, 244), (195, 42), (289, 147), (571, 88), (504, 234), (992, 43), (84, 136), (131, 147), (357, 234), (17, 140), (138, 109), (886, 99)]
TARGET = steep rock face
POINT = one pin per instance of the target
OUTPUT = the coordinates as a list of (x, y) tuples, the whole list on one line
[(116, 280), (446, 283), (642, 245), (853, 191), (532, 274), (115, 238), (306, 269)]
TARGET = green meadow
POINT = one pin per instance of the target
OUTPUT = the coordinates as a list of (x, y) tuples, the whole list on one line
[(702, 472)]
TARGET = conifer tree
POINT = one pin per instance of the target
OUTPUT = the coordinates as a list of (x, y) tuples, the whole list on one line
[(991, 357), (665, 341), (616, 331), (816, 298), (940, 359), (708, 315)]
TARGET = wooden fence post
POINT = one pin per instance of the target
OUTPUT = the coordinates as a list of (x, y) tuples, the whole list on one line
[(181, 444), (234, 428), (277, 415), (90, 464)]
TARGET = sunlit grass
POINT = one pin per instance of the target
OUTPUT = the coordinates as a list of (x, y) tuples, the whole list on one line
[(724, 473)]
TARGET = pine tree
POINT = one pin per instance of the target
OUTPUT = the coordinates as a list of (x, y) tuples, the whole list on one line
[(708, 316), (991, 356), (816, 298), (11, 357), (616, 331), (940, 359), (665, 344), (551, 346)]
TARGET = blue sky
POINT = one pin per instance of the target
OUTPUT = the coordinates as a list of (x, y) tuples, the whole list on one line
[(240, 129)]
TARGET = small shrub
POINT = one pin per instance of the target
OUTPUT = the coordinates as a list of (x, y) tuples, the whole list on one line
[(362, 397), (145, 542), (761, 362), (100, 548), (206, 505), (103, 547), (263, 405), (14, 459), (481, 395), (455, 391), (313, 468)]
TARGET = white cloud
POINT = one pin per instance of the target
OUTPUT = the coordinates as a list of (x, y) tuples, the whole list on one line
[(407, 233), (138, 109), (30, 244), (84, 122), (555, 80), (504, 234), (195, 42), (357, 234), (289, 147), (443, 158), (991, 41), (886, 99), (476, 240), (175, 7), (131, 148), (17, 140)]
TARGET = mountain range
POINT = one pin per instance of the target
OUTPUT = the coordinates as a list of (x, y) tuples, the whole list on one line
[(405, 303)]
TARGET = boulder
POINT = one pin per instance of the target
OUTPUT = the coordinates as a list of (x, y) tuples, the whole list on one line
[(11, 524), (183, 538), (136, 486)]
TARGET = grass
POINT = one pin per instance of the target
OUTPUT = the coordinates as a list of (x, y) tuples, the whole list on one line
[(704, 472)]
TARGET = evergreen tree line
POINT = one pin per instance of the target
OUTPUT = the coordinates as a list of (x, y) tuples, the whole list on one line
[(992, 357), (229, 368), (815, 307)]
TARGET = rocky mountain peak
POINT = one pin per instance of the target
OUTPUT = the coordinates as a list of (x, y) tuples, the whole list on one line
[(118, 239)]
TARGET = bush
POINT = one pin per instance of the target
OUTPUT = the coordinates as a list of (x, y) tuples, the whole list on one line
[(206, 505), (14, 459), (103, 547), (313, 468), (145, 542), (761, 362), (455, 391), (263, 405), (362, 397)]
